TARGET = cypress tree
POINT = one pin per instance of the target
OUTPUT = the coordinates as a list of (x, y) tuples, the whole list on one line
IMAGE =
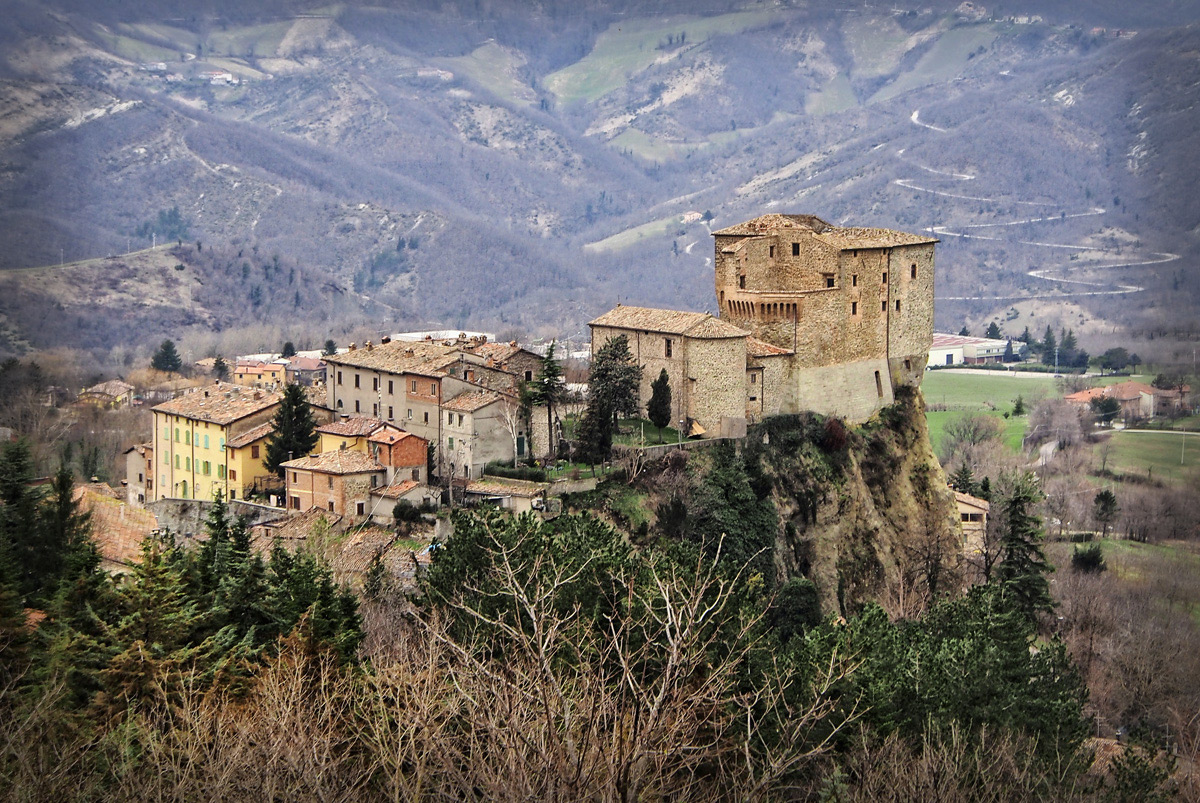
[(659, 408), (166, 358), (295, 432)]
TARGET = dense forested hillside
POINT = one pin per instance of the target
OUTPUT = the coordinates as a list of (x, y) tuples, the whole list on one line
[(522, 167)]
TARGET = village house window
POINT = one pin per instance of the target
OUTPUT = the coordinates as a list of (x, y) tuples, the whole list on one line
[(339, 377), (330, 505), (206, 440), (360, 508), (853, 307), (451, 443), (529, 376), (330, 478), (220, 472), (375, 409), (460, 419), (233, 474), (753, 379), (390, 393), (414, 386), (356, 406), (426, 417), (254, 452), (295, 503), (390, 416), (795, 249), (222, 447), (187, 437), (416, 474), (469, 375), (166, 458), (432, 388), (829, 280), (177, 434), (449, 418), (878, 385), (357, 377), (187, 464), (294, 478), (232, 493), (914, 270), (410, 414), (207, 470), (668, 348), (742, 282), (375, 383)]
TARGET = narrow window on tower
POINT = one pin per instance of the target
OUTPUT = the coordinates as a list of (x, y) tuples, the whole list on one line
[(668, 348), (795, 249), (742, 282)]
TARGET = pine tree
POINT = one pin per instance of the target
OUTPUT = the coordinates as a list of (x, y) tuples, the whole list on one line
[(289, 350), (964, 332), (1019, 406), (20, 545), (330, 348), (220, 368), (1105, 508), (963, 480), (1049, 343), (295, 432), (615, 378), (1023, 567), (1009, 356), (993, 331), (1026, 336), (659, 408), (166, 358), (594, 434)]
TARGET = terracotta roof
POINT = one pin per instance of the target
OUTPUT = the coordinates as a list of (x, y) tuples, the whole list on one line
[(496, 486), (471, 401), (839, 237), (340, 461), (356, 427), (668, 321), (305, 363), (388, 435), (395, 491), (294, 528), (496, 352), (973, 501), (251, 435), (113, 387), (761, 348), (117, 528), (1085, 395), (1128, 391), (400, 357), (220, 403)]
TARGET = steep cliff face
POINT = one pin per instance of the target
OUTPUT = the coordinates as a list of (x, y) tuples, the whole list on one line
[(863, 513)]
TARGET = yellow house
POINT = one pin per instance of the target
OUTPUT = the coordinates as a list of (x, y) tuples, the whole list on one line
[(191, 433), (245, 469), (347, 433)]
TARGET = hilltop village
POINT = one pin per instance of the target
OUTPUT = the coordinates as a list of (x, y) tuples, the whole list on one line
[(811, 317)]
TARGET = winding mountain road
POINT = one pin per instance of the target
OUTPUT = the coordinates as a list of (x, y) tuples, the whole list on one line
[(1068, 287)]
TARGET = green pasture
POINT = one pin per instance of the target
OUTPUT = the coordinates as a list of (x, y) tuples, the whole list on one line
[(944, 60), (1012, 435), (837, 95), (1154, 455), (630, 46), (979, 389), (651, 149), (136, 50), (877, 44), (630, 237), (494, 68)]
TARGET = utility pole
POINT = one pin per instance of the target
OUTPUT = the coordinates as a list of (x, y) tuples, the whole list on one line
[(1056, 360)]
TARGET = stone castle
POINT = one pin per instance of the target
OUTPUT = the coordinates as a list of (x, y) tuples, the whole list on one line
[(812, 316)]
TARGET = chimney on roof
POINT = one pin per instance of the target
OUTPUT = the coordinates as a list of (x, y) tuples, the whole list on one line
[(513, 343), (384, 339), (409, 352), (353, 347), (482, 339), (370, 346)]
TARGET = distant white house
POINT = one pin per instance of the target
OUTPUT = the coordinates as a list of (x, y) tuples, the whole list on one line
[(964, 350)]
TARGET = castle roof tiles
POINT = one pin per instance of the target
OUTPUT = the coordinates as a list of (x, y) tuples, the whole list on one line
[(669, 321), (840, 237), (341, 461)]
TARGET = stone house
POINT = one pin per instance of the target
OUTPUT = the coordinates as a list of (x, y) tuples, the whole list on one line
[(705, 360), (306, 371), (517, 496), (408, 384), (139, 473), (191, 433), (339, 482), (973, 514)]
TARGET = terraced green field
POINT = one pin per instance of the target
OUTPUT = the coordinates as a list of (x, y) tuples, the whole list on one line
[(944, 61), (1172, 457), (630, 46), (630, 237), (494, 68)]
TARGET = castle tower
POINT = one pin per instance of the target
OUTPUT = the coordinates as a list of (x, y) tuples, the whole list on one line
[(853, 305)]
